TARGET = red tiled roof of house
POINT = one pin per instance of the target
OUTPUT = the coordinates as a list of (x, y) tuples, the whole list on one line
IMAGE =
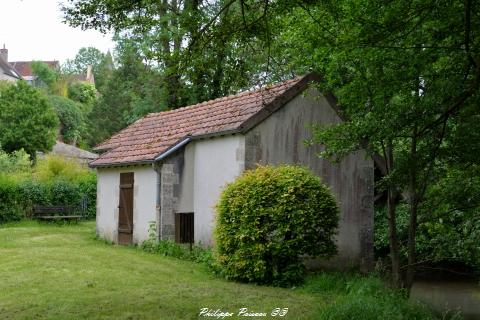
[(25, 67), (149, 137)]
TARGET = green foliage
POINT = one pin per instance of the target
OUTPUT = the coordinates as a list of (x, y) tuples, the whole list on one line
[(269, 219), (33, 192), (362, 298), (64, 193), (450, 230), (85, 57), (10, 201), (82, 92), (27, 120), (46, 76), (87, 185), (71, 118), (53, 167), (53, 181), (169, 248), (17, 161), (132, 91), (167, 39)]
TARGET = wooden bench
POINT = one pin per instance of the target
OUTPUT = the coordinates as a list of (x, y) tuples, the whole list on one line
[(55, 213)]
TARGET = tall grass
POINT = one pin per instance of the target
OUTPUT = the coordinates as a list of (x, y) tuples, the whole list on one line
[(362, 298)]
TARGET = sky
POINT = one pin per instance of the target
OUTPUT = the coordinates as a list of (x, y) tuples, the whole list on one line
[(33, 30)]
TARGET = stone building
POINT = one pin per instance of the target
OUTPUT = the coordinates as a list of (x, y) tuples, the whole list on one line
[(166, 170)]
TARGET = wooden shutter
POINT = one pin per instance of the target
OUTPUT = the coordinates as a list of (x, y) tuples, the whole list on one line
[(125, 208)]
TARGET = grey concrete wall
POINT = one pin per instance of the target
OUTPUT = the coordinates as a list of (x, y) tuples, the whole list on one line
[(170, 171), (186, 178), (280, 140)]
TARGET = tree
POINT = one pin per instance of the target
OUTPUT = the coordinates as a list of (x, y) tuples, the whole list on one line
[(27, 120), (85, 57), (71, 118), (403, 76), (165, 35), (83, 93), (132, 90), (46, 76)]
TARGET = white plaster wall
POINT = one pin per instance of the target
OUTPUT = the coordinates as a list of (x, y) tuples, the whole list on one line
[(144, 201), (107, 203), (217, 162)]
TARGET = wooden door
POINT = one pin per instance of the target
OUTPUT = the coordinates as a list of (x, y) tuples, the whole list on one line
[(125, 209)]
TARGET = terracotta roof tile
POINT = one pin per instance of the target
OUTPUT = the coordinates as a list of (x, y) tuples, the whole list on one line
[(154, 134)]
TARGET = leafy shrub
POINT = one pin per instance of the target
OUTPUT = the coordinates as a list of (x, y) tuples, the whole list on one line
[(87, 185), (17, 161), (269, 219), (71, 118), (64, 193), (10, 201), (83, 92), (54, 181), (33, 192), (54, 167)]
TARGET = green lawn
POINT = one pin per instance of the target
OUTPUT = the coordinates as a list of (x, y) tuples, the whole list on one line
[(62, 272)]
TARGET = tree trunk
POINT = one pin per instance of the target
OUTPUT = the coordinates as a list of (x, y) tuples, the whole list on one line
[(169, 58), (412, 228), (392, 221)]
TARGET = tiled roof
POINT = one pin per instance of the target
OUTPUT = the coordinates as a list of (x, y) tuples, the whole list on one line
[(70, 151), (25, 67), (148, 138)]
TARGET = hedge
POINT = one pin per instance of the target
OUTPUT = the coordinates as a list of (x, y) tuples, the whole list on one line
[(17, 198), (53, 180)]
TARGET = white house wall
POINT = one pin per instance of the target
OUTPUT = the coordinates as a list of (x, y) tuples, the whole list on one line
[(217, 162), (144, 201)]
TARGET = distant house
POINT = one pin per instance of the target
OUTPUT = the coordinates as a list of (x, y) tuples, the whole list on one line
[(169, 168), (7, 72), (15, 70)]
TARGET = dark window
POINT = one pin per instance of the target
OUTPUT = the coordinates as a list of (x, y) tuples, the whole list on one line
[(184, 227)]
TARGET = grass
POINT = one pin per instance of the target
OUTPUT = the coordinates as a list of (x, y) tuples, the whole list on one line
[(49, 271)]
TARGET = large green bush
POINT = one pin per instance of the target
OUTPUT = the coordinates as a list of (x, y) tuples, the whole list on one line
[(269, 220)]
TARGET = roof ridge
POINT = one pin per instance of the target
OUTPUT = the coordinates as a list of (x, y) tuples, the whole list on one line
[(236, 95)]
